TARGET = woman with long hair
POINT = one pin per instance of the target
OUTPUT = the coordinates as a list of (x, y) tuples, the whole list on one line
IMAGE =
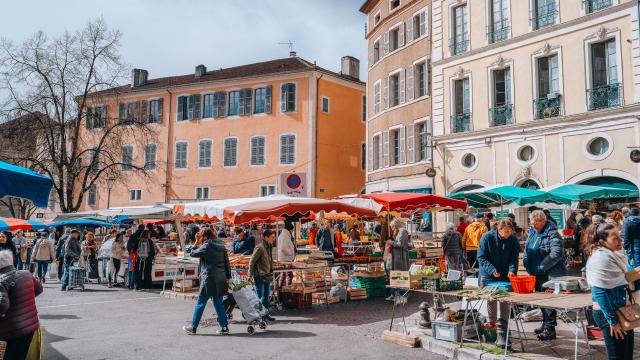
[(606, 270), (7, 244)]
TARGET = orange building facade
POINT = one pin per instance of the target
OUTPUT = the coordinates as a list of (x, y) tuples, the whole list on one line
[(234, 132)]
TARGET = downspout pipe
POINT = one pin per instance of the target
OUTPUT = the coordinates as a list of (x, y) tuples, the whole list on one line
[(315, 140), (167, 177)]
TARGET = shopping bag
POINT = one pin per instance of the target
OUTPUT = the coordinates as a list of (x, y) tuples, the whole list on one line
[(249, 303), (36, 348)]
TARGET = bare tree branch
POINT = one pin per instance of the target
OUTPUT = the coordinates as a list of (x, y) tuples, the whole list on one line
[(54, 81)]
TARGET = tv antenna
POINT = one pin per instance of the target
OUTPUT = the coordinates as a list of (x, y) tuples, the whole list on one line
[(289, 43)]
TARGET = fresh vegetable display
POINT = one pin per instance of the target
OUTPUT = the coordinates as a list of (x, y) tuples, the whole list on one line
[(241, 284), (428, 271), (486, 293)]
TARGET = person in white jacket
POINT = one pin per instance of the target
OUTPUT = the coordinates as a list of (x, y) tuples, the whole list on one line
[(286, 252), (43, 254), (118, 253)]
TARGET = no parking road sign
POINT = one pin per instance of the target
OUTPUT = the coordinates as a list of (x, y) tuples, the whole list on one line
[(294, 184)]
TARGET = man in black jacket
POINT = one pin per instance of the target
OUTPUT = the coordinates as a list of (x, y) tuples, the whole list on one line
[(18, 312), (71, 255)]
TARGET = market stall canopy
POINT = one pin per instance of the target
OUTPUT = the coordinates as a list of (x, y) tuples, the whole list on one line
[(132, 212), (355, 200), (568, 193), (500, 195), (24, 183), (11, 224), (80, 222), (392, 201), (245, 210)]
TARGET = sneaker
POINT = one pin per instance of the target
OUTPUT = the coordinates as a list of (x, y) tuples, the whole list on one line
[(189, 330), (270, 318), (223, 331), (64, 288), (390, 298), (547, 335), (538, 330)]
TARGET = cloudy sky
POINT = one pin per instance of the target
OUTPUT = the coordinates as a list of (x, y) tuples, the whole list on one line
[(170, 37)]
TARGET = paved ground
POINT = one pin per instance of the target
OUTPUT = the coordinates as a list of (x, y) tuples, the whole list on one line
[(104, 323)]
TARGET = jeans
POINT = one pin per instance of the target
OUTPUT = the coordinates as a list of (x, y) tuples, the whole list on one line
[(24, 265), (472, 257), (65, 277), (201, 303), (548, 315), (18, 348), (60, 268), (264, 291), (616, 349), (131, 275), (114, 270), (43, 266)]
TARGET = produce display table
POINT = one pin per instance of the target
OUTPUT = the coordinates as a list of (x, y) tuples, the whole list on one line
[(563, 303)]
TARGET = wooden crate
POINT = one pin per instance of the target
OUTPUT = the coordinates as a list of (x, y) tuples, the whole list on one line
[(356, 294), (400, 339), (320, 298), (295, 301)]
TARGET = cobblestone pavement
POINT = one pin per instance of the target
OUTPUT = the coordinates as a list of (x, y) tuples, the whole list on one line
[(103, 323)]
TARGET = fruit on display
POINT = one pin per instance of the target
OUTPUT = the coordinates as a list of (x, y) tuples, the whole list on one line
[(430, 270)]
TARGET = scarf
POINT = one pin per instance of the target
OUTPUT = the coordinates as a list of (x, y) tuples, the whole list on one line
[(605, 268)]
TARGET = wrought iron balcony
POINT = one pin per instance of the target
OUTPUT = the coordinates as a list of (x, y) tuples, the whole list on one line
[(603, 97), (458, 46), (596, 5), (544, 19), (547, 107), (461, 122), (498, 31), (501, 115)]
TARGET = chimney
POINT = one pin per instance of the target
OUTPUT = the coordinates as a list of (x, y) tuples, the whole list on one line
[(200, 71), (350, 66), (292, 54), (139, 77)]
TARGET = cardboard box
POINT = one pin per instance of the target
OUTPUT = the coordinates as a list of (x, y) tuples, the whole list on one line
[(399, 279)]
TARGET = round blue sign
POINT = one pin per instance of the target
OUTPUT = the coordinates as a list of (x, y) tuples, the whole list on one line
[(293, 181)]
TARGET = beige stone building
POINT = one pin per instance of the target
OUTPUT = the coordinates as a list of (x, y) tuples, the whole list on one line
[(535, 92), (398, 95)]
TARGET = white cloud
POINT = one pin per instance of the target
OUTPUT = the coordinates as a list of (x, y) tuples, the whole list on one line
[(170, 37)]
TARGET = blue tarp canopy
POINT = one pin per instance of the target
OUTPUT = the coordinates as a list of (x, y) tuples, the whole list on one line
[(81, 222), (24, 183)]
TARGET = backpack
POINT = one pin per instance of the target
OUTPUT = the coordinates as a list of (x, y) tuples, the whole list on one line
[(143, 248)]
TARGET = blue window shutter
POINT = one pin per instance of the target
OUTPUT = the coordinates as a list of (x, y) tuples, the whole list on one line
[(283, 98), (196, 106), (122, 112), (267, 101), (181, 108)]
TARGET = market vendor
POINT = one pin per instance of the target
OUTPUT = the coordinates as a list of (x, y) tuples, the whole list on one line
[(498, 258), (324, 238), (543, 258), (243, 242)]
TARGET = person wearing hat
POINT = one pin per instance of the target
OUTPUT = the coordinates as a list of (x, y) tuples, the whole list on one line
[(471, 239), (71, 255)]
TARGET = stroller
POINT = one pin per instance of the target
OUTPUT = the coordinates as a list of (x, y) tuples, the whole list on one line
[(252, 309)]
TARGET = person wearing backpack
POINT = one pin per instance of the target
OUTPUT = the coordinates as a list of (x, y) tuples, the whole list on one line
[(18, 312), (145, 253)]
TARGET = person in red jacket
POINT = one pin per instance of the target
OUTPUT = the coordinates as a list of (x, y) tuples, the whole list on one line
[(463, 225), (337, 234), (313, 231), (18, 312)]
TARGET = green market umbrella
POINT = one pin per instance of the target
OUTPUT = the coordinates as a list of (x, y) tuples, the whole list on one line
[(499, 195), (568, 193)]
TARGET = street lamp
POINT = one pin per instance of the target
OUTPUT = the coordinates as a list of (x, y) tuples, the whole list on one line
[(110, 182)]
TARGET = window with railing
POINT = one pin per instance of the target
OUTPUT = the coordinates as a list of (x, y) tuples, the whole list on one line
[(461, 117), (591, 6), (498, 29), (502, 111), (459, 42), (544, 13), (605, 91), (547, 104)]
